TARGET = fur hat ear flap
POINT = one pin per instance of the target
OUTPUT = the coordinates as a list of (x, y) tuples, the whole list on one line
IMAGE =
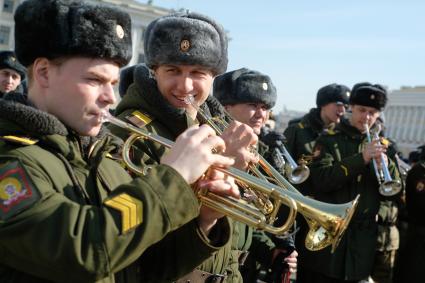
[(186, 38), (59, 28), (244, 86)]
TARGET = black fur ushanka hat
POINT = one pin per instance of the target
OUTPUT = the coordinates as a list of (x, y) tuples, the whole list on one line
[(8, 61), (332, 93), (370, 95), (186, 38), (59, 28), (244, 86)]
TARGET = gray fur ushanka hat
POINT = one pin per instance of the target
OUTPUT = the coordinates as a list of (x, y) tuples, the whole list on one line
[(370, 95), (186, 38), (59, 28), (244, 86)]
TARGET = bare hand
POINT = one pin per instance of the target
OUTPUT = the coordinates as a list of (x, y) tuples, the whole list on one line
[(291, 260), (372, 150), (192, 154), (240, 140), (220, 184)]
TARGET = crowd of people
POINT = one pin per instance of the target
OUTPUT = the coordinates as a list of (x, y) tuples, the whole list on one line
[(146, 192)]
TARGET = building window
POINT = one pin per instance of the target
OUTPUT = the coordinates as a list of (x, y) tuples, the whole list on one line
[(8, 6), (4, 35)]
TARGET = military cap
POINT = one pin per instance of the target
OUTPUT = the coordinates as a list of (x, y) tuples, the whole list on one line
[(244, 86), (332, 93), (370, 95), (8, 61), (61, 28), (186, 38)]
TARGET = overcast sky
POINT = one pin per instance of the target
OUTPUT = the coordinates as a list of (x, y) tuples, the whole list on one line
[(304, 45)]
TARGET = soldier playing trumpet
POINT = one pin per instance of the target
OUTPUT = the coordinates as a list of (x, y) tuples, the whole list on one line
[(342, 168)]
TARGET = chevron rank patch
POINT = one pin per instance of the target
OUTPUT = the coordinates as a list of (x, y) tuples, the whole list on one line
[(17, 191), (130, 208)]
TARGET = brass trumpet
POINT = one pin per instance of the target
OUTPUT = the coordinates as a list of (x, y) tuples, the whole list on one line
[(328, 221), (296, 174), (387, 186)]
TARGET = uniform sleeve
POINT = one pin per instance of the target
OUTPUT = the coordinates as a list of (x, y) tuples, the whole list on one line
[(62, 240), (262, 248), (291, 141), (329, 174), (181, 251)]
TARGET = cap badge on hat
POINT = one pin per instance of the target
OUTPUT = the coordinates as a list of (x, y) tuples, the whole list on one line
[(348, 93), (372, 97), (265, 86), (13, 59), (120, 31), (184, 45)]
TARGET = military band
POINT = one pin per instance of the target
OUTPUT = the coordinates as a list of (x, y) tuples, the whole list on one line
[(154, 189)]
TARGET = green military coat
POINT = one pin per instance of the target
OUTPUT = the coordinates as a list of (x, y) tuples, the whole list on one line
[(145, 107), (339, 175), (412, 259), (68, 213)]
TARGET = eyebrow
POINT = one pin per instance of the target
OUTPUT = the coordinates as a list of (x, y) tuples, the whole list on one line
[(102, 77)]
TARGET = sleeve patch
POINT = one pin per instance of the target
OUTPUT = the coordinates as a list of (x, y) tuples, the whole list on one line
[(139, 119), (17, 191), (345, 169), (130, 208)]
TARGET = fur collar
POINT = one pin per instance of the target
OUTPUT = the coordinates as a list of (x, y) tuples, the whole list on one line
[(15, 108)]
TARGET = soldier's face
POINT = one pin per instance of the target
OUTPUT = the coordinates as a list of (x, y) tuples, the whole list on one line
[(362, 115), (332, 112), (254, 115), (78, 91), (177, 82), (9, 80)]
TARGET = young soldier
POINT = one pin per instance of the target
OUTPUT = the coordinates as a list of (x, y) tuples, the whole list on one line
[(248, 96), (68, 213), (342, 169), (184, 52), (300, 136), (11, 72)]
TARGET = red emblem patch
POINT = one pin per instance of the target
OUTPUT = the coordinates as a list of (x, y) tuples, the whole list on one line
[(16, 189)]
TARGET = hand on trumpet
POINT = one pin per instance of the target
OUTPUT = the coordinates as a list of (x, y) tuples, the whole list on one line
[(240, 141), (193, 153), (220, 184), (373, 150)]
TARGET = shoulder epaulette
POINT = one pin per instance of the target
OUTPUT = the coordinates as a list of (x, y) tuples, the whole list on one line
[(385, 141), (19, 140), (139, 119), (301, 125)]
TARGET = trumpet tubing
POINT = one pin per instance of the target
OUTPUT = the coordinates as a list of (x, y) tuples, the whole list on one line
[(387, 186), (327, 221)]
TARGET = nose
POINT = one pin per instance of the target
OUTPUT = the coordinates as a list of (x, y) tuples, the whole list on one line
[(260, 112), (108, 94), (185, 84), (9, 79)]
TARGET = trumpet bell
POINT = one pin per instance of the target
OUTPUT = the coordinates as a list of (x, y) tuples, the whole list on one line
[(390, 188), (329, 225), (297, 175)]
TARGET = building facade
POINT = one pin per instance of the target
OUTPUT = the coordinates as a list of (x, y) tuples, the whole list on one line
[(141, 15), (405, 118)]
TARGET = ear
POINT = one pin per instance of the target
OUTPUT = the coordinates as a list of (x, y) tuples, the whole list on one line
[(42, 69)]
